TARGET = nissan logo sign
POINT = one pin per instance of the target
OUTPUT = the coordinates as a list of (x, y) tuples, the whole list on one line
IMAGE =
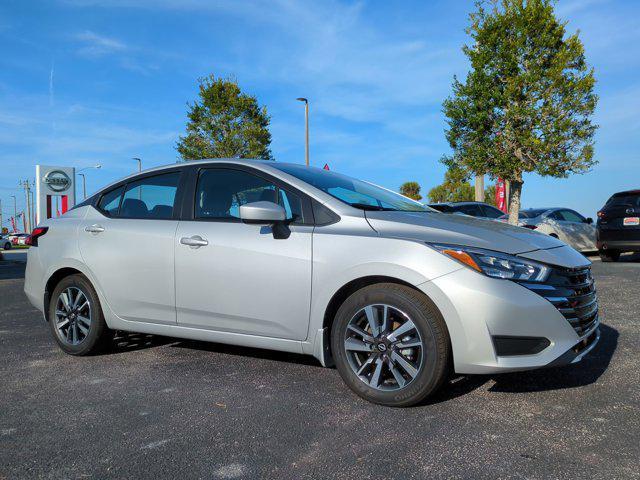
[(57, 180)]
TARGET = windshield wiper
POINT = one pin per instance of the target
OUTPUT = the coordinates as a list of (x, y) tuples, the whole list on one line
[(368, 206)]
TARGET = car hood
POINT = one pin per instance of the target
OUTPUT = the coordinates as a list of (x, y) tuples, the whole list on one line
[(460, 230)]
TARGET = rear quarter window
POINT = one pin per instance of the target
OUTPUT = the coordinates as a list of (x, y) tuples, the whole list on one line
[(110, 202)]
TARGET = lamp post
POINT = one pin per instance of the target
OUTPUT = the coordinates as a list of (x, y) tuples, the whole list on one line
[(84, 183), (139, 163), (84, 186), (306, 128)]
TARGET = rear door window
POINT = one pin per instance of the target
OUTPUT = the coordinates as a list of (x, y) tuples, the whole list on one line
[(151, 197)]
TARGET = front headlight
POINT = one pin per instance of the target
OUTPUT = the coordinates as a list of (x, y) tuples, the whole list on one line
[(494, 264)]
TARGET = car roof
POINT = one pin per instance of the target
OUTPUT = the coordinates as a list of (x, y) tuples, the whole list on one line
[(267, 166), (625, 193), (206, 161)]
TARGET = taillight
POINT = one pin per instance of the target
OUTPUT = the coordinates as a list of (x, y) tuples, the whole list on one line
[(35, 235), (530, 227)]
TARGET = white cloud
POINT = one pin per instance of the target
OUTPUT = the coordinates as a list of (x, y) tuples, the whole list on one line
[(95, 45)]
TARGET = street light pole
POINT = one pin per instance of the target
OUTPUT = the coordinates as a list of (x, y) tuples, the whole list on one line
[(84, 186), (139, 163), (306, 128)]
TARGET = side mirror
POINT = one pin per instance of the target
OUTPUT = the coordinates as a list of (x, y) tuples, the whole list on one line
[(589, 220), (262, 213)]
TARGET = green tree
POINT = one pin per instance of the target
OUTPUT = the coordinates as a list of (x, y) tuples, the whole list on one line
[(490, 195), (411, 190), (455, 188), (225, 123), (526, 103)]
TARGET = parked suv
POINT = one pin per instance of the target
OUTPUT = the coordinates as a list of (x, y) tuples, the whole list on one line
[(618, 225), (287, 257)]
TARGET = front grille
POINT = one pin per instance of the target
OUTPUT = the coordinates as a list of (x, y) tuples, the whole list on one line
[(573, 293)]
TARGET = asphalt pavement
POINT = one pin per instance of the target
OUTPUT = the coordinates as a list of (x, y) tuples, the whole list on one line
[(157, 407)]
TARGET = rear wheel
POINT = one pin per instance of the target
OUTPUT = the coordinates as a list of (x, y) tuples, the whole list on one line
[(390, 345), (75, 317), (7, 246), (609, 255)]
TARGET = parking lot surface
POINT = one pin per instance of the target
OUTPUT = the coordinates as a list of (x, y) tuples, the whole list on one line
[(157, 407)]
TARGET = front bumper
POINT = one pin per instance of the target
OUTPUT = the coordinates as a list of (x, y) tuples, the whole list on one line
[(579, 351), (477, 308)]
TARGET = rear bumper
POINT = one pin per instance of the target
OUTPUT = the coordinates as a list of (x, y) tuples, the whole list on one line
[(34, 280), (622, 245)]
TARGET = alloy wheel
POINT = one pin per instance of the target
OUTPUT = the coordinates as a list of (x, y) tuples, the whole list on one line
[(73, 316), (383, 346)]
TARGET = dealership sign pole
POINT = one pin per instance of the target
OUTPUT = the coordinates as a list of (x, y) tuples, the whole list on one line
[(52, 182)]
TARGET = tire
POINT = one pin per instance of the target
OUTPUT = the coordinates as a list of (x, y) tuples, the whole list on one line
[(609, 255), (427, 364), (79, 337), (7, 246)]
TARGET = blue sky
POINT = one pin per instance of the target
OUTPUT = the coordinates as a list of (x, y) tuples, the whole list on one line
[(96, 81)]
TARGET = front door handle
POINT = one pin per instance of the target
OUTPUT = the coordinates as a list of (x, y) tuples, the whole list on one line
[(195, 241), (94, 229)]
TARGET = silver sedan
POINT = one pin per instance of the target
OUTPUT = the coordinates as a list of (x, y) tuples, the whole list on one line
[(562, 223), (304, 260)]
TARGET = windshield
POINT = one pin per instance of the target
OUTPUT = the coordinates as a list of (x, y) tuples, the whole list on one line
[(354, 192)]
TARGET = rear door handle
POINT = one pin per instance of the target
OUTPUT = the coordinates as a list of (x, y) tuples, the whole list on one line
[(94, 229), (195, 241)]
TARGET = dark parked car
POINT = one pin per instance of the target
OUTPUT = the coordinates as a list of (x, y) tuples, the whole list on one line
[(618, 226), (473, 209)]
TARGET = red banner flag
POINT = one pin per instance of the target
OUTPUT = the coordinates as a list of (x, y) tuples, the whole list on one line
[(501, 200)]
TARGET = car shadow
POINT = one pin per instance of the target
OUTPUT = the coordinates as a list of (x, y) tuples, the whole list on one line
[(259, 353), (586, 372), (130, 341)]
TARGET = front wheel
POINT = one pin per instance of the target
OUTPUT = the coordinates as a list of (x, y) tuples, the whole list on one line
[(75, 317), (391, 345), (609, 255), (7, 246)]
